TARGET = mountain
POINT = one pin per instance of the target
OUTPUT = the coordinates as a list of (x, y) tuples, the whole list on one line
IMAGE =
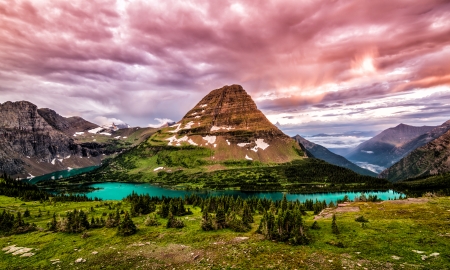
[(430, 159), (320, 152), (224, 141), (383, 149), (228, 122), (38, 141)]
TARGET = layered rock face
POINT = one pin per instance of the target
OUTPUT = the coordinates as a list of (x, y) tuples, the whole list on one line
[(229, 110), (228, 121), (37, 141)]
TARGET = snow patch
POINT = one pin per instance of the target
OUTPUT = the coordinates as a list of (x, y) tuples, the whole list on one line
[(157, 169), (60, 160), (188, 125), (28, 156), (210, 139), (260, 144), (214, 128), (95, 130), (203, 105), (190, 141), (227, 142), (105, 133), (242, 144), (124, 137), (367, 152), (31, 176), (194, 114), (198, 116), (248, 158), (53, 161), (215, 145), (69, 168), (174, 139), (177, 129), (78, 133), (117, 137)]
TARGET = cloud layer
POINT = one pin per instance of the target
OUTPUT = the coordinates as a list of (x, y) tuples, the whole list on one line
[(310, 65)]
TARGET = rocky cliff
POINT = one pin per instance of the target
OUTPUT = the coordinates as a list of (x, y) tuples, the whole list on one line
[(38, 141)]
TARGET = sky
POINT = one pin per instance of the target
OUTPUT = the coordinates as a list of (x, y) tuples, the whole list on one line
[(322, 66)]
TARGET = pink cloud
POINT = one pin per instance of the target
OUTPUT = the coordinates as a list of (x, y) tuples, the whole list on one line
[(114, 53)]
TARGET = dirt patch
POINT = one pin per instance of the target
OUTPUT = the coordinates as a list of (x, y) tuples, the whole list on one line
[(347, 209), (408, 201), (343, 208)]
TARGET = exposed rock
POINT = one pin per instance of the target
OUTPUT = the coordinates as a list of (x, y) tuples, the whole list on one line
[(38, 141), (80, 260)]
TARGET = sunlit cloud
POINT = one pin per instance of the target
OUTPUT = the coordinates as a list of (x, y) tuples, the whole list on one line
[(309, 65)]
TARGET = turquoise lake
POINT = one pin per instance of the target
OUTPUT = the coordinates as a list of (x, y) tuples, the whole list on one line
[(118, 191), (60, 174)]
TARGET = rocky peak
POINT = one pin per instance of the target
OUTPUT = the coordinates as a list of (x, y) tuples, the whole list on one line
[(68, 125), (228, 110), (22, 115)]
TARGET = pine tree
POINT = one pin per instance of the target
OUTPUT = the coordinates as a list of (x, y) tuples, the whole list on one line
[(220, 218), (284, 203), (126, 226), (173, 222), (334, 227), (52, 225), (207, 224), (247, 217), (26, 213)]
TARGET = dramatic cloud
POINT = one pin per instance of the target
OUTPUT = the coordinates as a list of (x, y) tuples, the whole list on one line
[(311, 66)]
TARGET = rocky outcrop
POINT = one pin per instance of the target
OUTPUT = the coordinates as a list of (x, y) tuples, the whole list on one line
[(68, 125), (430, 159), (37, 141), (320, 152)]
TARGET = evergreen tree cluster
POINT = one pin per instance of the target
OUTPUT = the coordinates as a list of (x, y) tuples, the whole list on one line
[(76, 221), (286, 226), (140, 204), (174, 206), (10, 224)]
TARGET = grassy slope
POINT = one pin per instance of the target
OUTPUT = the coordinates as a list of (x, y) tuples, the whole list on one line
[(188, 166), (394, 230)]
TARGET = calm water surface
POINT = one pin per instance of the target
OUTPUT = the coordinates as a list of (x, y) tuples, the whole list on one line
[(118, 191)]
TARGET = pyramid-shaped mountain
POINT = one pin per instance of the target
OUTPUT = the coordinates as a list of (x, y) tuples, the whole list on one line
[(228, 121)]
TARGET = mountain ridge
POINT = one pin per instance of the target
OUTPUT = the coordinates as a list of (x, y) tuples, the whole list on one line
[(320, 152), (383, 149)]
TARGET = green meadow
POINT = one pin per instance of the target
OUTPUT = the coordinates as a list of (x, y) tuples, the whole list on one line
[(403, 234)]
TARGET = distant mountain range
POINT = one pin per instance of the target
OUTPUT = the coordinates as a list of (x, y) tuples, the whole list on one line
[(348, 133), (431, 158), (389, 146), (320, 152)]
